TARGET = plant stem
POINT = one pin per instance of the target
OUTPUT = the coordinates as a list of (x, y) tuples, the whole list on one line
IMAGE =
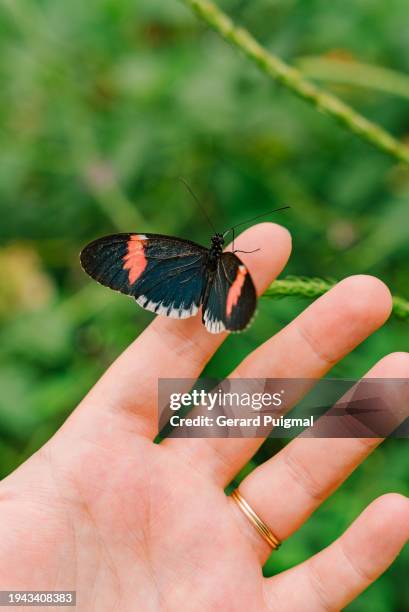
[(291, 78), (299, 286)]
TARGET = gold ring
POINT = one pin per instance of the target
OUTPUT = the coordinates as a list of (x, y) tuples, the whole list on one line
[(256, 521)]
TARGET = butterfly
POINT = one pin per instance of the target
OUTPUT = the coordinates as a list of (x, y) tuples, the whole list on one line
[(174, 277)]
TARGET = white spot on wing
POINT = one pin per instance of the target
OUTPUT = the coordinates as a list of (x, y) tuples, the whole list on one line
[(160, 309), (213, 325)]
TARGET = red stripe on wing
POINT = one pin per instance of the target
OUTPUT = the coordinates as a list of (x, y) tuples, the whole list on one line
[(135, 261), (235, 290)]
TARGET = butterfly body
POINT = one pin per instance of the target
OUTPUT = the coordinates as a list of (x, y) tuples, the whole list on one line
[(213, 259), (174, 277)]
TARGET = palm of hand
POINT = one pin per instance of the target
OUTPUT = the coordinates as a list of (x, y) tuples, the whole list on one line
[(144, 530)]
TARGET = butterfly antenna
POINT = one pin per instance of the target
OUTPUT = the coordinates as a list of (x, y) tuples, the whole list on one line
[(182, 180), (258, 217)]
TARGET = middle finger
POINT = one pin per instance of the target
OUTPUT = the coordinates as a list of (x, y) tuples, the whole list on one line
[(307, 348)]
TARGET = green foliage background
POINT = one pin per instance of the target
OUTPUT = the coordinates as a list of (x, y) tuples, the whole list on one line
[(103, 105)]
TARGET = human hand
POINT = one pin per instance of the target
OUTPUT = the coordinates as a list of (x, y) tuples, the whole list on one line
[(133, 525)]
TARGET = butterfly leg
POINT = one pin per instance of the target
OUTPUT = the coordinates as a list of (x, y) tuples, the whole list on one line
[(237, 250), (253, 251)]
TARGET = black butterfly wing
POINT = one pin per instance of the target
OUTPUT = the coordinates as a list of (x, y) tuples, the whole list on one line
[(231, 298), (165, 275)]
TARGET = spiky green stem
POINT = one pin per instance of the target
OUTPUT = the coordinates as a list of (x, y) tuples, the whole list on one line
[(299, 286)]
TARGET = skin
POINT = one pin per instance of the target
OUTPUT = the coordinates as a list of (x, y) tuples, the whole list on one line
[(136, 526)]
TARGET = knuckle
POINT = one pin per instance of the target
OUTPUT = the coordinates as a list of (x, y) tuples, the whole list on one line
[(356, 569), (314, 345), (302, 476), (318, 587)]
